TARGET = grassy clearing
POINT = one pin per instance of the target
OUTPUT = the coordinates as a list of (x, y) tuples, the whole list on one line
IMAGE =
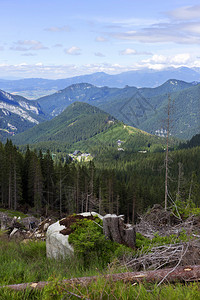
[(26, 262)]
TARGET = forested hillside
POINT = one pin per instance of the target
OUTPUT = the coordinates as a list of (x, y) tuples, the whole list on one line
[(89, 129), (108, 184), (79, 121), (144, 108)]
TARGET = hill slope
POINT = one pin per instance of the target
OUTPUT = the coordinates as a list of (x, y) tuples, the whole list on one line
[(79, 121), (89, 129)]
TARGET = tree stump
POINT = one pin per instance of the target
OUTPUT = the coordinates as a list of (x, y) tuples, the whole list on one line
[(115, 230)]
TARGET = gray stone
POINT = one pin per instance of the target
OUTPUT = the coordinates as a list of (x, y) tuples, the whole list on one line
[(57, 245)]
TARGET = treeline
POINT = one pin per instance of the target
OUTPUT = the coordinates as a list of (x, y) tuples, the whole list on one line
[(123, 184)]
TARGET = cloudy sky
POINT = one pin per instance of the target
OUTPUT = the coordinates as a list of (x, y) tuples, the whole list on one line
[(65, 38)]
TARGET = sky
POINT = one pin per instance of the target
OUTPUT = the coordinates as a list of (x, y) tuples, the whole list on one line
[(64, 38)]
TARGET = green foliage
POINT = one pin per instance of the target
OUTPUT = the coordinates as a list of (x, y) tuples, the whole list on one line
[(186, 208), (145, 245), (90, 243)]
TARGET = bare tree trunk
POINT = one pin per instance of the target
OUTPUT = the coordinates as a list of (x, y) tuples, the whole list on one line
[(167, 153), (115, 230), (15, 188), (180, 175), (10, 190), (60, 196), (87, 200), (190, 190), (133, 210), (77, 192), (117, 205), (99, 200)]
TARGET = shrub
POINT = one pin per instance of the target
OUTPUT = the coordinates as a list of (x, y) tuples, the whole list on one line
[(90, 243)]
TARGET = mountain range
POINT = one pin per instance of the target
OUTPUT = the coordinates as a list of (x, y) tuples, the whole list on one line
[(34, 88), (144, 108)]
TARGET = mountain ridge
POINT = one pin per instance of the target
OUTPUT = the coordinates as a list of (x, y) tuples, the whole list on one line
[(36, 87), (78, 121)]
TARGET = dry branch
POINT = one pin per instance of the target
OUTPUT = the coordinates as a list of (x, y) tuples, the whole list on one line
[(169, 255), (179, 274)]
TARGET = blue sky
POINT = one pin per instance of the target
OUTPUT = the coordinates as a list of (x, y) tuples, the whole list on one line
[(65, 38)]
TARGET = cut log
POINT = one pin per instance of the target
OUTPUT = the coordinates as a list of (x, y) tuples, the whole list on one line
[(171, 275), (115, 230)]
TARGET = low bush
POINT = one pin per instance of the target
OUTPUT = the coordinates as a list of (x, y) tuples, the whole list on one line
[(90, 244)]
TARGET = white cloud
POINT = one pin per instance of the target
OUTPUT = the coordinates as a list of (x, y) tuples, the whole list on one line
[(156, 62), (185, 13), (28, 45), (58, 46), (191, 27), (161, 61), (58, 71), (58, 29), (182, 27), (129, 51), (28, 54), (181, 58), (99, 54), (101, 39), (158, 59), (73, 50), (162, 33)]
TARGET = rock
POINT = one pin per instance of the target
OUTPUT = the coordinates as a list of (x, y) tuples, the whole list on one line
[(57, 245)]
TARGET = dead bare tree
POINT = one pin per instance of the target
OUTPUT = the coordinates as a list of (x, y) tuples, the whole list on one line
[(167, 152)]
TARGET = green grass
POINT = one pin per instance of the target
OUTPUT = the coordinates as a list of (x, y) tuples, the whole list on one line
[(27, 262), (13, 213), (106, 289)]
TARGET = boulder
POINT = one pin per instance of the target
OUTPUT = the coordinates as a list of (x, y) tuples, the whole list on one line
[(57, 245)]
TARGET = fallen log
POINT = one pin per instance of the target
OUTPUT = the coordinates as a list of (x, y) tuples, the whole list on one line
[(171, 275)]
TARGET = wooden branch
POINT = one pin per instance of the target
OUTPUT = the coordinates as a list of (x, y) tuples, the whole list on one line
[(180, 274)]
